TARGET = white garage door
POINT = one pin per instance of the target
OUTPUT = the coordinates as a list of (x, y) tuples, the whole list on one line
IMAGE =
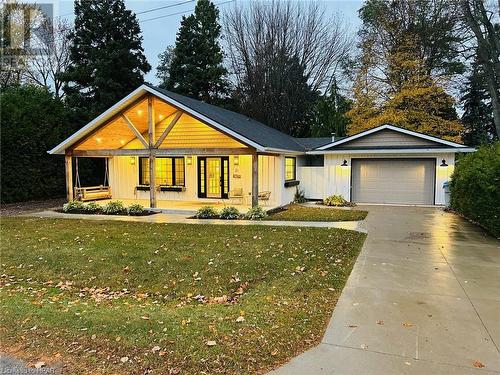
[(405, 181)]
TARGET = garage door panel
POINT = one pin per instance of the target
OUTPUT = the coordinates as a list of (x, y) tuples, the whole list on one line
[(406, 181)]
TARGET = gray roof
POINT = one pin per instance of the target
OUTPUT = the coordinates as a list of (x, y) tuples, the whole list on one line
[(312, 143), (243, 125)]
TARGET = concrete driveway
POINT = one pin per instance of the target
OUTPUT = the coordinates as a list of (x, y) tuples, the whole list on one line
[(423, 298)]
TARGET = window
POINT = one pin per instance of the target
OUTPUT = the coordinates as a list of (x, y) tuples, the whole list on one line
[(290, 169), (168, 171)]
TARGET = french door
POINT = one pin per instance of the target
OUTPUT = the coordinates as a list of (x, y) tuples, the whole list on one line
[(213, 177)]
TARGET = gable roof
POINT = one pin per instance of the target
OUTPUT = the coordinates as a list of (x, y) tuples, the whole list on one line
[(436, 142), (242, 128)]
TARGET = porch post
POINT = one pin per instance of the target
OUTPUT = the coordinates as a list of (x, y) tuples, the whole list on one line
[(68, 164), (152, 154), (152, 184), (255, 179)]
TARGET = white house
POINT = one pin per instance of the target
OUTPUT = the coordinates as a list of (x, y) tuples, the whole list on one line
[(164, 148)]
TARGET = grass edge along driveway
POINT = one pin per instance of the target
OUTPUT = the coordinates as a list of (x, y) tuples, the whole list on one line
[(122, 297)]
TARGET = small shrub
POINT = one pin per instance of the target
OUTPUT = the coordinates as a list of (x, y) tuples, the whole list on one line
[(255, 213), (135, 209), (299, 196), (73, 206), (92, 208), (337, 201), (206, 212), (114, 208), (475, 187), (229, 213)]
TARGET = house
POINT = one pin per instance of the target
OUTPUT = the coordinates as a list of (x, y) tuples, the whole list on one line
[(163, 148)]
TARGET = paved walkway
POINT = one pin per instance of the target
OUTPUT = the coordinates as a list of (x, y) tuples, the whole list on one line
[(183, 219), (423, 298)]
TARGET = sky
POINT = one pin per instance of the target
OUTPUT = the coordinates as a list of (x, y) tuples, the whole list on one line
[(158, 33)]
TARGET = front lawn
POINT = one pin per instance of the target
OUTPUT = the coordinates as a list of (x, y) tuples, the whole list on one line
[(120, 297), (297, 212)]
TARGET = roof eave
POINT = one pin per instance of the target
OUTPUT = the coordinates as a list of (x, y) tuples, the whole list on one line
[(393, 151)]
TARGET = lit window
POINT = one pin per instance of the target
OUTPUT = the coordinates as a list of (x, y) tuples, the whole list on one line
[(290, 170), (168, 171)]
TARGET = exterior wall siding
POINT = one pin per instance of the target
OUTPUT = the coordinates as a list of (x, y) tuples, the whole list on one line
[(124, 177), (335, 179)]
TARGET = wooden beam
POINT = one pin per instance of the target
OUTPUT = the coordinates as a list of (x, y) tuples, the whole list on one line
[(170, 126), (152, 157), (134, 130), (115, 152), (68, 164), (255, 180), (164, 152), (152, 182)]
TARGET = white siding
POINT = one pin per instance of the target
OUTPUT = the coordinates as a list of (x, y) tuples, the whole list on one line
[(337, 179), (312, 181)]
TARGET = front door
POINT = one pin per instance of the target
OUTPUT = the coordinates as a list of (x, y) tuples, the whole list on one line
[(213, 177)]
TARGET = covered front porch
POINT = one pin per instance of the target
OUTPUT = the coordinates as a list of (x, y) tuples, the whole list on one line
[(163, 155)]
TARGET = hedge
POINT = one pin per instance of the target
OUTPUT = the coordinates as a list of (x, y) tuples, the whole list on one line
[(475, 187)]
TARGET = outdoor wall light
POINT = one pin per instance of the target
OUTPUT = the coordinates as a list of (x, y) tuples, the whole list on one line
[(132, 160), (189, 160), (236, 160), (344, 164), (443, 163)]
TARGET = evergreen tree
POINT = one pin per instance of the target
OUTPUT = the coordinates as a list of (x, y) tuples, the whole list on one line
[(196, 68), (107, 58), (330, 110), (477, 119)]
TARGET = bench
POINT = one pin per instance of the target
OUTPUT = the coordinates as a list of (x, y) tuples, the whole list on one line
[(92, 193)]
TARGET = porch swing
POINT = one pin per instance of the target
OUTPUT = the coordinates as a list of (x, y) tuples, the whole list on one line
[(92, 193)]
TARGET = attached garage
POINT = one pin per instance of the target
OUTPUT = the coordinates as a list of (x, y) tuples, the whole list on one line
[(383, 165), (393, 181)]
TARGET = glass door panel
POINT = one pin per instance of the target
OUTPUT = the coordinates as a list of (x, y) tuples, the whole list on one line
[(213, 177)]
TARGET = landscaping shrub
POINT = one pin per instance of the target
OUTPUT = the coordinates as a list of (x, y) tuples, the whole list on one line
[(230, 213), (206, 212), (300, 196), (337, 201), (92, 208), (255, 213), (114, 208), (135, 209), (475, 187), (73, 206)]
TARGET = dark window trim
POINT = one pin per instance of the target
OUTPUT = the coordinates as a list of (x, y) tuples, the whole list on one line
[(294, 168), (173, 158), (224, 163)]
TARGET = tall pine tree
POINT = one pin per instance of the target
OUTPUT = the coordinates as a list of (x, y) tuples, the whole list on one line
[(107, 58), (330, 112), (196, 68), (477, 119)]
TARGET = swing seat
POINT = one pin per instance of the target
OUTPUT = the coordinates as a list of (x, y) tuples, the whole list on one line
[(92, 193)]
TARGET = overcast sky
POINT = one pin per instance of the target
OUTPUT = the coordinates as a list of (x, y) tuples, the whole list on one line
[(160, 32)]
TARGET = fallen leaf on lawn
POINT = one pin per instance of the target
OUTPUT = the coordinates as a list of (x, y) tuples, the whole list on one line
[(211, 343), (123, 359), (145, 317), (408, 324), (126, 269), (162, 353), (185, 322), (93, 337), (40, 364), (274, 352), (240, 319), (477, 364), (155, 348)]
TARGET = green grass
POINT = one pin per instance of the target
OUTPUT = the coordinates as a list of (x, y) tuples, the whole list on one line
[(94, 292), (297, 212)]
